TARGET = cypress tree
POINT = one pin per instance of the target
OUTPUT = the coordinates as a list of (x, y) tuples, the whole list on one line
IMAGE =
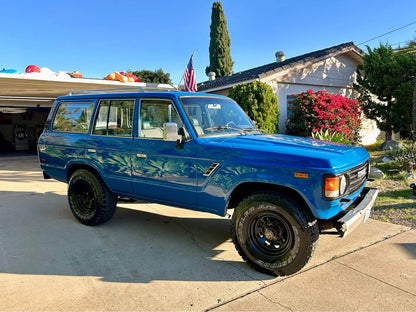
[(220, 60)]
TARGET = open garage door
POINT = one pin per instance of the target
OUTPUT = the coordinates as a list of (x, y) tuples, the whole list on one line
[(20, 127)]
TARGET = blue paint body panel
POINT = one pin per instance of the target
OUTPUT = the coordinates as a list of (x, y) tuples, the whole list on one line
[(211, 163)]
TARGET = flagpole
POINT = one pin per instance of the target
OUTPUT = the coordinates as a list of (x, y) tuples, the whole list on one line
[(179, 84)]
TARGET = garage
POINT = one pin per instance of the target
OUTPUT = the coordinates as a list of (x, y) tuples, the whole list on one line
[(25, 102)]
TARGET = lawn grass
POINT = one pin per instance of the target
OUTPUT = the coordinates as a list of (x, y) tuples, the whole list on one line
[(396, 202)]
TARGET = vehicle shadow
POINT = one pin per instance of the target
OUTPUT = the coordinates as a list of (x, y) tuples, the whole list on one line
[(409, 248), (140, 244)]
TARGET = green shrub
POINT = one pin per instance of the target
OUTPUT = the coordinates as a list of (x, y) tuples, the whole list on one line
[(405, 156), (259, 102)]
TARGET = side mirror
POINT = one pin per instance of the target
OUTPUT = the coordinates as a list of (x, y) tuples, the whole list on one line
[(170, 131)]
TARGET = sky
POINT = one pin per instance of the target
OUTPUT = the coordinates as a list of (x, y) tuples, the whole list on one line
[(97, 37)]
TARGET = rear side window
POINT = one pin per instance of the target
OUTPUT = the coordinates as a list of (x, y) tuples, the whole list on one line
[(73, 117), (114, 118)]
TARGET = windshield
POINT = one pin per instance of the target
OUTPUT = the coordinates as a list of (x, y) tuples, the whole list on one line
[(213, 116)]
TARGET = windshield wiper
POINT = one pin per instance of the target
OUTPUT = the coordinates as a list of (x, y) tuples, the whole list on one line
[(220, 128), (241, 131), (253, 129)]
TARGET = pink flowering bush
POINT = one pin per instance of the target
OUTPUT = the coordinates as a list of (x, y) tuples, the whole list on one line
[(322, 111)]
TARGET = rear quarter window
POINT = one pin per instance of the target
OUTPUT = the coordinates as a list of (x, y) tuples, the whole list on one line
[(73, 117), (114, 118)]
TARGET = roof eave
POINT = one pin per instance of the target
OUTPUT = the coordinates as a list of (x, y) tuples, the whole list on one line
[(229, 86)]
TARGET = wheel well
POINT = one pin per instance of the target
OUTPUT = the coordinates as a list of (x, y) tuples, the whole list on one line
[(245, 189), (76, 167)]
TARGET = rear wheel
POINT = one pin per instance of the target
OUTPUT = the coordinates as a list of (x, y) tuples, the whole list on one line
[(274, 233), (90, 200)]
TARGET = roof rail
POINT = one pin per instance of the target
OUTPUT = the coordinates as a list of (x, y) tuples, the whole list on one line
[(156, 87)]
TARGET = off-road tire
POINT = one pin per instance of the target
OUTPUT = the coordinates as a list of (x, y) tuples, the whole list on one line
[(90, 200), (274, 233)]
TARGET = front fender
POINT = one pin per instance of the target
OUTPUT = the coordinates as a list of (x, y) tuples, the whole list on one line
[(218, 189)]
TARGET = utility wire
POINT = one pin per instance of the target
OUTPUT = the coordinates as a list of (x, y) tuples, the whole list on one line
[(387, 33)]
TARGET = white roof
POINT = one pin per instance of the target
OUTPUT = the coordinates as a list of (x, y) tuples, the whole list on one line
[(36, 89)]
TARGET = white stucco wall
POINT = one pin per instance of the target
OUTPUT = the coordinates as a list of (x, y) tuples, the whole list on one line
[(335, 75)]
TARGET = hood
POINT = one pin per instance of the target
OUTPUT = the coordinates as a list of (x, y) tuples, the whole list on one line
[(292, 150)]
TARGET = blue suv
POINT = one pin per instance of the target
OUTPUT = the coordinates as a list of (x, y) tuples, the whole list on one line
[(201, 152)]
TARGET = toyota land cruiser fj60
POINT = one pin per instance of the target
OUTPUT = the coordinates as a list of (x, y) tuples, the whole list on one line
[(201, 152)]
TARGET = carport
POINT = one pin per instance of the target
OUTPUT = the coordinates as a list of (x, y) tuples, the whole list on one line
[(25, 103)]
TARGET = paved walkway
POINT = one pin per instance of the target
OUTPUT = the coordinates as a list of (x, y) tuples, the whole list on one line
[(156, 258)]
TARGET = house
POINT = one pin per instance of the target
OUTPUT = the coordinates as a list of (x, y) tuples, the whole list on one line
[(332, 69)]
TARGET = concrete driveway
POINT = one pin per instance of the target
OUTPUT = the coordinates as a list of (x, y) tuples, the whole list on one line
[(156, 258)]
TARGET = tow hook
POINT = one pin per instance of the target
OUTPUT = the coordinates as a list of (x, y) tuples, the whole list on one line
[(413, 186)]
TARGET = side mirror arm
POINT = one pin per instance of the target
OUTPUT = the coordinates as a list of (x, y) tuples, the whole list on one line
[(180, 143)]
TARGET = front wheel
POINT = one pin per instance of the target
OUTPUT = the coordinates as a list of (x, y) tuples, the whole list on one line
[(90, 200), (274, 233)]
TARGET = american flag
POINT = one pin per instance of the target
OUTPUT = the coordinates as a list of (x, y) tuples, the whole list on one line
[(189, 76)]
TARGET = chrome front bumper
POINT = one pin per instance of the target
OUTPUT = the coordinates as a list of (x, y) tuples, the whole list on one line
[(360, 213)]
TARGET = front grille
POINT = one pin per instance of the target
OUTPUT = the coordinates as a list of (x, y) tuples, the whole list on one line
[(357, 176)]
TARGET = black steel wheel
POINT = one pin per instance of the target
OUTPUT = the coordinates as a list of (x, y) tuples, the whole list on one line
[(270, 234), (90, 200), (274, 233)]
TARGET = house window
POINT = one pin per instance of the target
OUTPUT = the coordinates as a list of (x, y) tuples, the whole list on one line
[(290, 106)]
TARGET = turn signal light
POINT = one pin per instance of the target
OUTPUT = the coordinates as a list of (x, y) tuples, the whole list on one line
[(331, 187), (335, 186)]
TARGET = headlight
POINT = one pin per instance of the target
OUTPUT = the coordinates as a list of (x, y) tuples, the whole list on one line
[(335, 186), (342, 184)]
